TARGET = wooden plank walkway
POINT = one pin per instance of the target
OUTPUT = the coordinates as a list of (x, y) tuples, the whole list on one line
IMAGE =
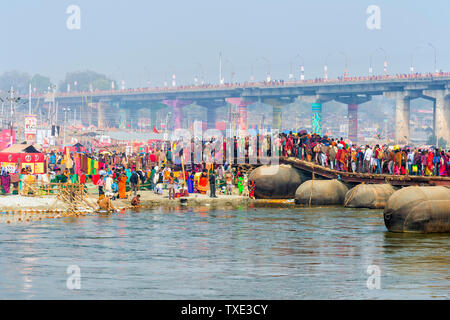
[(355, 178)]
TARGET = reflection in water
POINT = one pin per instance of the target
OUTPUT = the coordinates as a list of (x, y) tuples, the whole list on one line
[(212, 253)]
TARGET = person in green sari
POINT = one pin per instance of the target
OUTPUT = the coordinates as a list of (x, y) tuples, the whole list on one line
[(240, 182), (152, 177)]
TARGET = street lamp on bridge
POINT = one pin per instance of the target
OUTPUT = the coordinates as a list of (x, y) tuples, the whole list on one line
[(411, 68), (252, 76), (174, 82), (268, 68), (385, 61), (302, 68), (231, 69), (325, 66), (147, 76), (346, 63), (371, 61), (196, 78), (435, 60)]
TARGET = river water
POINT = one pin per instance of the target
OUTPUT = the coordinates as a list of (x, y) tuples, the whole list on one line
[(201, 253)]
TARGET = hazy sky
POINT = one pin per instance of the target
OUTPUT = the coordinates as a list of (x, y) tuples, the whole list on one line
[(150, 40)]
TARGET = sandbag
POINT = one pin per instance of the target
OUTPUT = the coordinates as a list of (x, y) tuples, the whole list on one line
[(372, 196), (418, 209), (321, 192), (276, 181)]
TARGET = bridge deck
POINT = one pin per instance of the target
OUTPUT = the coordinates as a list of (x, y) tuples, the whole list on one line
[(354, 178)]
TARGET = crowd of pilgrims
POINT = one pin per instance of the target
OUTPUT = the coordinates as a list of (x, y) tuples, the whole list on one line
[(378, 159), (215, 164), (122, 175)]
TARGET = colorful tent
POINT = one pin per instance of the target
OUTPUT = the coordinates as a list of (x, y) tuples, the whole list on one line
[(23, 156)]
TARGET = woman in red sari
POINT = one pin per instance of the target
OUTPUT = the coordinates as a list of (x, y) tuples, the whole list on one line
[(202, 183), (430, 157)]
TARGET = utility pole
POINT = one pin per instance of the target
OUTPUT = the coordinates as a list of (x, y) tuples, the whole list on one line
[(435, 59), (65, 123), (29, 99), (12, 101), (385, 64), (3, 105), (220, 68)]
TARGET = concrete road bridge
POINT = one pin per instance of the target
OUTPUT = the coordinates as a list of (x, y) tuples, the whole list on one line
[(350, 91)]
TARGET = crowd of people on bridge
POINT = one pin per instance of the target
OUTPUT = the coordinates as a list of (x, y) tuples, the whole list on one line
[(343, 156), (268, 83)]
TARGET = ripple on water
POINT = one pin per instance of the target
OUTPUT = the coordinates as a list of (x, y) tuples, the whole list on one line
[(268, 253)]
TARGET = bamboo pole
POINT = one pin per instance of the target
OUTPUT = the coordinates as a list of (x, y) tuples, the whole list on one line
[(182, 169)]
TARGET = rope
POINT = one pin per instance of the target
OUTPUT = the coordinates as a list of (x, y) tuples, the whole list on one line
[(351, 196)]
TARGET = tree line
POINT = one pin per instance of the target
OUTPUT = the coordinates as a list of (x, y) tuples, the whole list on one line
[(73, 81)]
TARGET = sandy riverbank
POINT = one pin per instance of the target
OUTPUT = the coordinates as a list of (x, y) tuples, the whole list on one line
[(16, 208), (16, 202)]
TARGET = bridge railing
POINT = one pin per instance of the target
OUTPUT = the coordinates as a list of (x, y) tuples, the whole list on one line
[(274, 83)]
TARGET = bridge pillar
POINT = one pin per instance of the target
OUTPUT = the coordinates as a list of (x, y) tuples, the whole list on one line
[(114, 119), (211, 118), (91, 106), (154, 108), (177, 110), (402, 114), (442, 113), (316, 110), (124, 116), (352, 102), (100, 115), (352, 113), (277, 110), (102, 105), (153, 115), (211, 111), (241, 104), (316, 118)]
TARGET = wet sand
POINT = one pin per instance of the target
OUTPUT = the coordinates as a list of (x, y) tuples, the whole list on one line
[(16, 208)]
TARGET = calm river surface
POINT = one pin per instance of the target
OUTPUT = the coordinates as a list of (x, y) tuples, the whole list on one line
[(263, 253)]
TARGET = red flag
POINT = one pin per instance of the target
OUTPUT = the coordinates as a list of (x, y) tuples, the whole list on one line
[(154, 130)]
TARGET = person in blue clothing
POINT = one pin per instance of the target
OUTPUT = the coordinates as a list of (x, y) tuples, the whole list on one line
[(191, 188), (115, 190), (436, 162), (52, 158)]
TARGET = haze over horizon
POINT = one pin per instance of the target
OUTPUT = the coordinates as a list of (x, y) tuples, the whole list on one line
[(140, 41)]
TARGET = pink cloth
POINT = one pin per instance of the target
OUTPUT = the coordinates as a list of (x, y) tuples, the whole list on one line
[(77, 164)]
